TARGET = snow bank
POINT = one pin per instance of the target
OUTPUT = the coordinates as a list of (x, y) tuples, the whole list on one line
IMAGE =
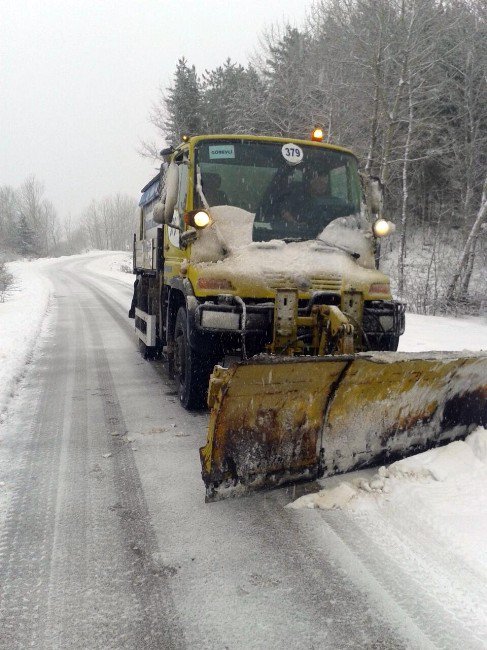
[(21, 318), (450, 463), (113, 264), (425, 333)]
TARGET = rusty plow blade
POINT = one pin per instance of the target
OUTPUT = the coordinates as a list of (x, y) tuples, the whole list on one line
[(276, 420)]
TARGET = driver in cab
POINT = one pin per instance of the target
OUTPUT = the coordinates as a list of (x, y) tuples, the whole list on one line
[(310, 207)]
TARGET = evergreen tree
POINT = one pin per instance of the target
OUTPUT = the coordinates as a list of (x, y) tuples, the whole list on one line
[(289, 89), (26, 237), (403, 84), (219, 89), (8, 218), (246, 112), (183, 104)]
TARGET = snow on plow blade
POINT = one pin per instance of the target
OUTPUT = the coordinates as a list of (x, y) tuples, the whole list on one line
[(275, 420)]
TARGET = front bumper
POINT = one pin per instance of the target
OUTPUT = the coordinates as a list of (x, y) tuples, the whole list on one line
[(224, 318)]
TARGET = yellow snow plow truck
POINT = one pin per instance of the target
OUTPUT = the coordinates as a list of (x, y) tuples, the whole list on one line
[(262, 253)]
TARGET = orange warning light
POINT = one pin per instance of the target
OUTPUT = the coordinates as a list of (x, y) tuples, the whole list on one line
[(317, 135)]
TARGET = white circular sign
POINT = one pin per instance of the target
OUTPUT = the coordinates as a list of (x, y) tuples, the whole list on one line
[(292, 153)]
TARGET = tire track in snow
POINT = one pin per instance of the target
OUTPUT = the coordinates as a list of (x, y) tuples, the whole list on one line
[(27, 538), (157, 620), (435, 622), (448, 581)]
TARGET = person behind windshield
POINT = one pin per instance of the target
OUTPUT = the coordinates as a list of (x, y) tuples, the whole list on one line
[(310, 209), (211, 183)]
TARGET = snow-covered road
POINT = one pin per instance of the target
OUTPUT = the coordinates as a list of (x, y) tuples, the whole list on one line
[(106, 542)]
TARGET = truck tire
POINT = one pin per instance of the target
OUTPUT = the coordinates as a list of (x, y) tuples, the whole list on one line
[(192, 369), (383, 343), (149, 352)]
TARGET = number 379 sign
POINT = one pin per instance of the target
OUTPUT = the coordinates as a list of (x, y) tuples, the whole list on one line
[(292, 153)]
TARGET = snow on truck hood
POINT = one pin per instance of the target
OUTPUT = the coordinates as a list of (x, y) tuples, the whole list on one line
[(298, 263), (276, 263)]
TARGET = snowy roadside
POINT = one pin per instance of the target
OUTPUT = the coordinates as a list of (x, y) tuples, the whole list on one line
[(425, 517), (23, 316), (424, 333), (116, 265), (21, 319)]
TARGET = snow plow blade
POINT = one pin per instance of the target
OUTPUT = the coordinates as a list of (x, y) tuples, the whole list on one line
[(275, 420)]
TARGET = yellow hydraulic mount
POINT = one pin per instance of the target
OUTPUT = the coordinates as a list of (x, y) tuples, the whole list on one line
[(331, 330)]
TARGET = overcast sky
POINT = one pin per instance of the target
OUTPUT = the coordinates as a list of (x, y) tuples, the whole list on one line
[(78, 77)]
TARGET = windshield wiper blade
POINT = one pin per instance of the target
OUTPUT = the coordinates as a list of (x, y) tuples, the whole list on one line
[(340, 248)]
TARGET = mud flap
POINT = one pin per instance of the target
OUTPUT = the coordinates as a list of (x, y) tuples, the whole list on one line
[(275, 420)]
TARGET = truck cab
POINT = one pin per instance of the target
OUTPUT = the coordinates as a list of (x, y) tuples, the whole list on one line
[(243, 241)]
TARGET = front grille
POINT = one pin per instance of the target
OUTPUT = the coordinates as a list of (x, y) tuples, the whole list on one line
[(277, 280), (330, 283)]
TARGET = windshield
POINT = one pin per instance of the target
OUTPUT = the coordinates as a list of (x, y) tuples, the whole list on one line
[(293, 191)]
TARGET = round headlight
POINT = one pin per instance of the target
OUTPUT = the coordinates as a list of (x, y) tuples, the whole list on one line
[(381, 228), (201, 219)]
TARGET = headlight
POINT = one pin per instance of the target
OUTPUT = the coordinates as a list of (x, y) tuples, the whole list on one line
[(197, 218), (201, 219), (381, 228)]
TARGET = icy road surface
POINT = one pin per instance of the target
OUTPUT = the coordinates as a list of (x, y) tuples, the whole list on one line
[(105, 539)]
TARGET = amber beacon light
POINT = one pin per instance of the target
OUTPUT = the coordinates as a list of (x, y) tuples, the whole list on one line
[(317, 135)]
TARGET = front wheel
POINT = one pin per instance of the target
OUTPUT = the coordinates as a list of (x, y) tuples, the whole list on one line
[(383, 342), (192, 369)]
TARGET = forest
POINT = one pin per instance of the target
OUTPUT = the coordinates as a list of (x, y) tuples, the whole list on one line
[(403, 83), (30, 226)]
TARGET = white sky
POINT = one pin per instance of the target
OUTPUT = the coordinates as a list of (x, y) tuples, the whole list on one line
[(78, 77)]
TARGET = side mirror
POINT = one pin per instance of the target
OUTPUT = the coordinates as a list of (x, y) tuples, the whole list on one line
[(188, 237), (375, 195), (171, 182), (158, 213)]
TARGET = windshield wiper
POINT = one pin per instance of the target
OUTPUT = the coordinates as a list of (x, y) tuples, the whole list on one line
[(290, 240), (340, 248), (199, 187)]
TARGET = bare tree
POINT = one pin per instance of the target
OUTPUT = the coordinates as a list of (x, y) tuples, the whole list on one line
[(40, 217), (110, 222), (469, 244)]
